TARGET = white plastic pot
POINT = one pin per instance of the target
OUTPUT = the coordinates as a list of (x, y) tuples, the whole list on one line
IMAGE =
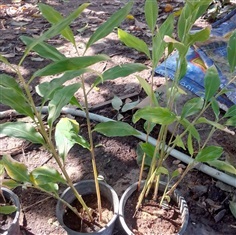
[(176, 197), (87, 187)]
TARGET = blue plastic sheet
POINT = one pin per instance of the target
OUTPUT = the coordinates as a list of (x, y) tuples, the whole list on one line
[(199, 59)]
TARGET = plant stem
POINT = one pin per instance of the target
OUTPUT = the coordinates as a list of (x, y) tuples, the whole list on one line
[(92, 150)]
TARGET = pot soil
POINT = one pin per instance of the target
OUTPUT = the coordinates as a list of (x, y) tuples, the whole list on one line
[(151, 218), (110, 206), (9, 224)]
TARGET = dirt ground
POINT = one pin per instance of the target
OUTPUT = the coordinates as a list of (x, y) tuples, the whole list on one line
[(207, 198)]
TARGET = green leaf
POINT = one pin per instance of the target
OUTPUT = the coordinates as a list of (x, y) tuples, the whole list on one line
[(199, 36), (159, 44), (43, 49), (13, 96), (162, 170), (16, 170), (231, 51), (6, 210), (148, 89), (120, 71), (60, 98), (70, 64), (21, 130), (47, 89), (140, 154), (66, 135), (192, 107), (116, 103), (231, 112), (133, 42), (223, 166), (50, 187), (212, 123), (54, 17), (129, 106), (151, 14), (190, 144), (175, 173), (232, 207), (231, 121), (11, 184), (44, 175), (149, 149), (107, 27), (113, 129), (209, 154), (56, 28), (179, 142), (158, 115), (191, 129), (211, 83), (215, 107)]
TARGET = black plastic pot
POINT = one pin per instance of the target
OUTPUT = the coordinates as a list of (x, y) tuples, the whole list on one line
[(14, 229), (176, 197), (87, 187)]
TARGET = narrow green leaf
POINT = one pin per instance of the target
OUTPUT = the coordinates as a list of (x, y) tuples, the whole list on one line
[(231, 51), (47, 89), (13, 96), (223, 166), (66, 136), (212, 123), (21, 130), (231, 112), (162, 170), (56, 28), (192, 107), (148, 89), (211, 83), (120, 71), (232, 207), (215, 107), (113, 129), (158, 115), (179, 142), (190, 144), (45, 174), (140, 154), (6, 210), (107, 27), (50, 187), (60, 98), (16, 170), (199, 36), (11, 184), (209, 154), (133, 42), (116, 103), (70, 64), (54, 17), (175, 173), (151, 14), (129, 106), (43, 49), (231, 121), (191, 129), (159, 44)]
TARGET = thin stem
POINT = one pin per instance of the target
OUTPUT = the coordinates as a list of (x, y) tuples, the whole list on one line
[(95, 173)]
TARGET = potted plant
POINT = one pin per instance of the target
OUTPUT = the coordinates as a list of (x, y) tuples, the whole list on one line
[(9, 209), (59, 136), (185, 134)]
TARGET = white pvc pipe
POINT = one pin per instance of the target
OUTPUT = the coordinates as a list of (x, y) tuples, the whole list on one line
[(175, 153)]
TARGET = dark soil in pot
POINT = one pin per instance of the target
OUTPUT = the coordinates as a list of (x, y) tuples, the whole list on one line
[(86, 226), (152, 218)]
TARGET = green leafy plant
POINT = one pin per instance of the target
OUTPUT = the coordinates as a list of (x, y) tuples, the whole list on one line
[(186, 122), (57, 135)]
